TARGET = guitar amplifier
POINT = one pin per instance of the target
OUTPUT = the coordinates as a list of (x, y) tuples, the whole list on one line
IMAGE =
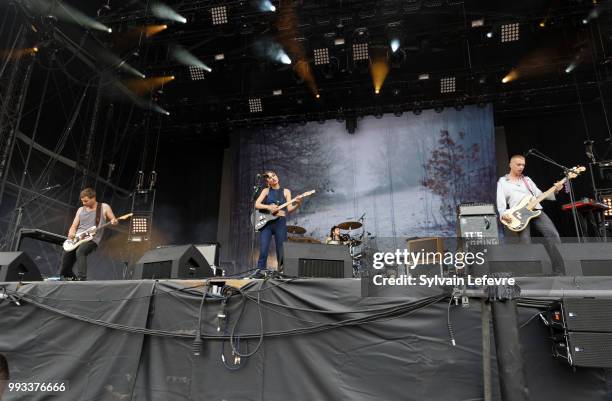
[(477, 222)]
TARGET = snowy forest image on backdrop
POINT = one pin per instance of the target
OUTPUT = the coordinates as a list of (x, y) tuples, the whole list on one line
[(407, 174)]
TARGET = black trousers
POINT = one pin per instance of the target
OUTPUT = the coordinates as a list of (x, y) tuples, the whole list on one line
[(74, 263)]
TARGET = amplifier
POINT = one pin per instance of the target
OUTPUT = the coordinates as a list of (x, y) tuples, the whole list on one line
[(476, 209)]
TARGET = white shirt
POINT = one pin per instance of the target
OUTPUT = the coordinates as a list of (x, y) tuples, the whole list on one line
[(510, 193)]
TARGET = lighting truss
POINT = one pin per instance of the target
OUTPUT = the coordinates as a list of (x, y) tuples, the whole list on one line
[(447, 85), (219, 15), (510, 32), (196, 73), (607, 200), (360, 51), (321, 56), (255, 105)]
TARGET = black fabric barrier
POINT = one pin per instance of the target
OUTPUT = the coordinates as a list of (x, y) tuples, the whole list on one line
[(392, 353)]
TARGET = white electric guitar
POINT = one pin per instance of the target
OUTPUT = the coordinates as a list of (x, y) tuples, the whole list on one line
[(87, 235)]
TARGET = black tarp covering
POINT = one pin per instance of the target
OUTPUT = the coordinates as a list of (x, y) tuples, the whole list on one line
[(403, 355)]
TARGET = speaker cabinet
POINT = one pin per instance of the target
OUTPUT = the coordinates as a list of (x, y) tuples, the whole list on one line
[(589, 259), (18, 266), (317, 260), (521, 260), (173, 262)]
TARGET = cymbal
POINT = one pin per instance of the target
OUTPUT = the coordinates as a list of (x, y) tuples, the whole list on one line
[(349, 225), (296, 230)]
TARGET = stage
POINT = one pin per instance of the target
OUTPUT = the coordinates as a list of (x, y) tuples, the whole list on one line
[(311, 339)]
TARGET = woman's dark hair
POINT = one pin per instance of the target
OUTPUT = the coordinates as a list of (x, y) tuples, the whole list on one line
[(331, 231)]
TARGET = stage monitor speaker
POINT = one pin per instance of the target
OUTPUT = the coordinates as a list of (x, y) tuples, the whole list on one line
[(172, 262), (317, 260), (210, 253), (18, 266), (587, 259), (521, 260)]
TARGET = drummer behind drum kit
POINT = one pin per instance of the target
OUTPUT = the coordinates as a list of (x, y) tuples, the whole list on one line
[(351, 239)]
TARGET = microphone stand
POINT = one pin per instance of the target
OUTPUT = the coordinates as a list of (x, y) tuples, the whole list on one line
[(566, 171), (256, 189)]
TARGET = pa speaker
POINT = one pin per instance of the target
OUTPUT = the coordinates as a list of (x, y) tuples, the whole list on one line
[(317, 260), (589, 259), (521, 260), (18, 266), (175, 262)]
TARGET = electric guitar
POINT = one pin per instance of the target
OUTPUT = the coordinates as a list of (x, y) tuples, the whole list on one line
[(260, 219), (524, 211), (87, 235)]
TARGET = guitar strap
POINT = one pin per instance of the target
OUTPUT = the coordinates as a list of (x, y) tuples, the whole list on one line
[(98, 213), (527, 185)]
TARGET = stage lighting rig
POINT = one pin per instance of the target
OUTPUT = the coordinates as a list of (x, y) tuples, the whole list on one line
[(255, 105), (218, 15), (510, 32), (321, 56), (447, 85)]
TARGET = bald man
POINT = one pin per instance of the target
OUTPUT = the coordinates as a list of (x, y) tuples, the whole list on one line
[(513, 187)]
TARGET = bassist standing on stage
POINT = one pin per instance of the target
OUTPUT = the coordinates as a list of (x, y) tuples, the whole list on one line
[(89, 215), (268, 200), (512, 188)]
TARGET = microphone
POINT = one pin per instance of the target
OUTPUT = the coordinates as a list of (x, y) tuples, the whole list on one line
[(362, 217), (264, 175), (530, 151), (51, 187)]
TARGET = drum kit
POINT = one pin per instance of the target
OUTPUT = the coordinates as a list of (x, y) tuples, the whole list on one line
[(353, 239)]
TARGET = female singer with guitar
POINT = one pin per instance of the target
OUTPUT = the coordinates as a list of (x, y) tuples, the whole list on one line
[(269, 201), (91, 214)]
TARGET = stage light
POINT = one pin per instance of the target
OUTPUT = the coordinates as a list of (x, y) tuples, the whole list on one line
[(607, 200), (542, 24), (283, 57), (318, 96), (511, 76), (423, 77), (266, 5), (570, 68), (153, 29), (510, 32), (219, 57), (377, 91), (477, 23), (585, 21), (219, 15), (196, 73), (277, 92), (339, 41), (162, 11), (360, 51), (489, 34), (395, 45), (35, 49), (447, 85), (186, 58), (255, 105), (321, 56)]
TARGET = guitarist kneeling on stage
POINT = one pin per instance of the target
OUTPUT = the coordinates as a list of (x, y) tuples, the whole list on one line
[(268, 200), (91, 214), (512, 188)]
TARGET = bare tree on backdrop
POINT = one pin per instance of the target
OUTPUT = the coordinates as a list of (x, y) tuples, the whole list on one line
[(453, 172)]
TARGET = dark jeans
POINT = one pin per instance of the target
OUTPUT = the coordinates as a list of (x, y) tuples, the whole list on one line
[(78, 259), (278, 229), (547, 228)]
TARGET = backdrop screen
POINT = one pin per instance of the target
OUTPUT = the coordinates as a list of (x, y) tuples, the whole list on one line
[(404, 175)]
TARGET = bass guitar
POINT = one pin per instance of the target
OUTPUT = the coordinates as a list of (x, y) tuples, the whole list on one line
[(87, 235), (521, 214), (261, 218)]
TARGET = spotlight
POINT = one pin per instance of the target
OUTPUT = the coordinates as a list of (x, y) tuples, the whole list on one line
[(219, 15), (283, 58), (447, 85), (360, 51), (395, 44), (377, 91), (255, 105), (511, 76), (219, 57), (542, 24), (585, 21), (510, 32), (318, 96), (339, 41), (321, 56), (477, 23), (489, 34), (266, 5), (570, 68), (109, 30), (162, 11), (277, 92), (423, 77), (196, 73)]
